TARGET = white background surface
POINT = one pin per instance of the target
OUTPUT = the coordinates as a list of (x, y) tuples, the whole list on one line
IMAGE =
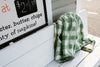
[(9, 17)]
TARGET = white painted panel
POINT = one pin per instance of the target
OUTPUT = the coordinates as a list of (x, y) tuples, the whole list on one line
[(92, 59), (83, 15), (97, 64), (62, 10), (79, 56), (54, 64), (97, 39), (79, 5), (61, 3), (38, 57), (49, 11), (14, 51)]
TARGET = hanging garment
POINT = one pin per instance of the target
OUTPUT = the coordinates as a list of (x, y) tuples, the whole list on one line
[(69, 37)]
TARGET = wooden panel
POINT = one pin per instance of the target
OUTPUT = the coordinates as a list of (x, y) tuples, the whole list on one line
[(97, 64), (62, 10), (78, 58), (18, 49), (94, 57), (79, 5), (61, 3), (97, 39), (49, 12), (38, 57), (54, 0), (53, 64), (83, 15)]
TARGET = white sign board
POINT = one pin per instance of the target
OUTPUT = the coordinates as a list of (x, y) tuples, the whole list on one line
[(21, 17)]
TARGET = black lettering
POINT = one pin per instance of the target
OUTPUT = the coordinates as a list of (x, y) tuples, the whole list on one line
[(4, 37), (5, 28), (21, 21)]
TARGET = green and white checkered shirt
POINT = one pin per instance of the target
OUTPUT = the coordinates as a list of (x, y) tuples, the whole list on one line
[(69, 37)]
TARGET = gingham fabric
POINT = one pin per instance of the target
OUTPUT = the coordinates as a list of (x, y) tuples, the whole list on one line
[(69, 37)]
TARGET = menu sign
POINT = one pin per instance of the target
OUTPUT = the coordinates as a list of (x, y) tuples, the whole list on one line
[(25, 7), (19, 18)]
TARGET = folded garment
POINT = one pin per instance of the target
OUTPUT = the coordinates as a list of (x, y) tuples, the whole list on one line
[(69, 37)]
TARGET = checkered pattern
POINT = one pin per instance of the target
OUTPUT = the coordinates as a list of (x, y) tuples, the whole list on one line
[(69, 37)]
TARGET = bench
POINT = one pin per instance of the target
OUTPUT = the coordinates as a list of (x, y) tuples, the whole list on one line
[(82, 58)]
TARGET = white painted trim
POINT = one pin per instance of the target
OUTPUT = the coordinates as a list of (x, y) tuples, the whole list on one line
[(79, 6), (92, 59), (22, 47), (38, 57), (83, 15), (49, 11)]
